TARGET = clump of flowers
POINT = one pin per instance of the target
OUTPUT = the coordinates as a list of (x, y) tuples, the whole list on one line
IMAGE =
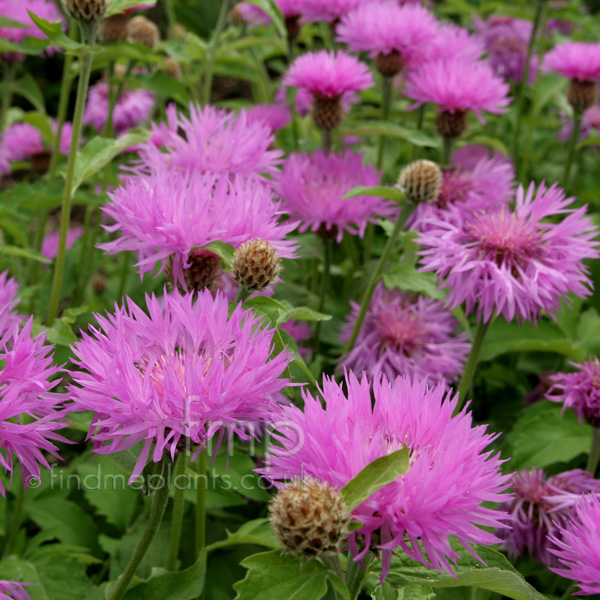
[(313, 187), (168, 215), (405, 334), (183, 372), (540, 507), (514, 262), (441, 495), (395, 36)]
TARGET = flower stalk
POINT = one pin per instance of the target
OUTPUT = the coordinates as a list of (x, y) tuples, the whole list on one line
[(327, 260), (572, 148), (594, 455), (178, 510), (212, 51)]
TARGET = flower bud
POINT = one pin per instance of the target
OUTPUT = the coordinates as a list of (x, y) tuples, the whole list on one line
[(113, 28), (203, 271), (389, 64), (327, 112), (421, 181), (256, 265), (310, 518), (581, 94), (85, 10), (141, 30), (171, 68), (451, 125)]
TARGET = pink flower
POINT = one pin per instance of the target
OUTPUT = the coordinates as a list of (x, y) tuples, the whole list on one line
[(578, 548), (252, 14), (211, 141), (540, 507), (29, 417), (513, 262), (452, 41), (9, 288), (133, 108), (13, 590), (327, 10), (50, 243), (275, 116), (590, 124), (183, 370), (22, 141), (171, 212), (409, 335), (328, 74), (458, 86), (383, 28), (579, 391), (313, 187), (441, 495), (575, 60)]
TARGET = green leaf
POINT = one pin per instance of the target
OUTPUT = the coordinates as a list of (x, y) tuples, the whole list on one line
[(6, 22), (271, 8), (29, 89), (273, 576), (54, 32), (257, 532), (29, 45), (496, 575), (542, 437), (99, 151), (408, 279), (379, 191), (381, 128), (271, 308), (28, 253), (223, 249), (116, 7), (301, 313), (490, 142), (374, 476)]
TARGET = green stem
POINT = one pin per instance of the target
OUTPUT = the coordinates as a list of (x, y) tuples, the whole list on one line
[(212, 51), (157, 511), (8, 75), (355, 575), (539, 10), (332, 562), (178, 510), (569, 591), (327, 260), (467, 377), (594, 456), (405, 214), (326, 140), (201, 502), (241, 295), (87, 250), (572, 149), (65, 217), (447, 144), (386, 105), (369, 239), (16, 516)]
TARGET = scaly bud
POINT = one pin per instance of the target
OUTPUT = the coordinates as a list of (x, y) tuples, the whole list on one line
[(581, 94), (421, 181), (113, 28), (451, 125), (85, 10), (171, 68), (141, 30), (327, 112), (389, 64), (256, 265)]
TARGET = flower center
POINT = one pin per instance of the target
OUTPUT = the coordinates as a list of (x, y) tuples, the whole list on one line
[(402, 328)]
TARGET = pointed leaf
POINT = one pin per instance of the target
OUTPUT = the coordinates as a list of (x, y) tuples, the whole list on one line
[(54, 32), (379, 191)]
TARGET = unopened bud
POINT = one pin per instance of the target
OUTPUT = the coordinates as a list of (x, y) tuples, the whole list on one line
[(292, 26), (451, 125), (236, 17), (86, 10), (327, 112), (310, 518), (256, 265), (389, 64), (581, 94), (141, 30), (421, 181), (113, 28), (171, 68), (204, 270)]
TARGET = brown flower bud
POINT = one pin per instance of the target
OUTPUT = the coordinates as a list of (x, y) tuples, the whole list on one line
[(113, 28), (85, 10), (451, 125), (582, 94), (292, 26), (204, 270), (141, 30), (421, 181), (171, 68), (310, 518), (327, 112), (389, 64), (256, 265), (236, 18)]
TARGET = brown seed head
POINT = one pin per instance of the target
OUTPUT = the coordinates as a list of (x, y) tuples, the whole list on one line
[(141, 30), (85, 10), (421, 181), (256, 265), (171, 68), (310, 518), (113, 28)]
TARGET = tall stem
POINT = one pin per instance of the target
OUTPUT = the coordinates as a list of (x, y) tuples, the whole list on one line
[(65, 217), (327, 256), (403, 217), (326, 140), (8, 75), (178, 510), (539, 10), (447, 144), (594, 456), (572, 149), (467, 377), (157, 511), (386, 104), (201, 502), (16, 517), (355, 575), (212, 51)]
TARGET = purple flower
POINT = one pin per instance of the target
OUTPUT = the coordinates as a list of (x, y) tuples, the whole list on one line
[(578, 547), (451, 473), (327, 10), (13, 590), (50, 243), (387, 27), (328, 74), (452, 41), (458, 85), (133, 108), (183, 369), (255, 16), (409, 335), (575, 60), (9, 288), (579, 391), (22, 141), (275, 116), (313, 187), (540, 507), (29, 417), (513, 262), (211, 141), (170, 213), (590, 124)]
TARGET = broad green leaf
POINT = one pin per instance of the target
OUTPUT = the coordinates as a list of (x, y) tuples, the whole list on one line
[(99, 151), (236, 472), (29, 45), (271, 308), (273, 576), (379, 191), (54, 32), (29, 89), (257, 532), (28, 253), (409, 279), (542, 437), (223, 249), (374, 476), (302, 313), (116, 7), (588, 326), (379, 128), (6, 22)]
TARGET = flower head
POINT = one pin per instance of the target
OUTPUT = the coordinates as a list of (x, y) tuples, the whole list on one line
[(577, 548), (575, 60), (539, 509), (313, 187), (452, 41), (579, 391), (172, 212), (450, 475), (275, 116), (406, 335), (211, 141), (9, 288), (590, 124), (513, 262), (50, 243), (184, 370), (327, 10), (13, 590)]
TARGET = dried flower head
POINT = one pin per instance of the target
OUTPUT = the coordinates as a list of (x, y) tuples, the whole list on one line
[(113, 28), (141, 30), (421, 181), (85, 10), (256, 265)]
